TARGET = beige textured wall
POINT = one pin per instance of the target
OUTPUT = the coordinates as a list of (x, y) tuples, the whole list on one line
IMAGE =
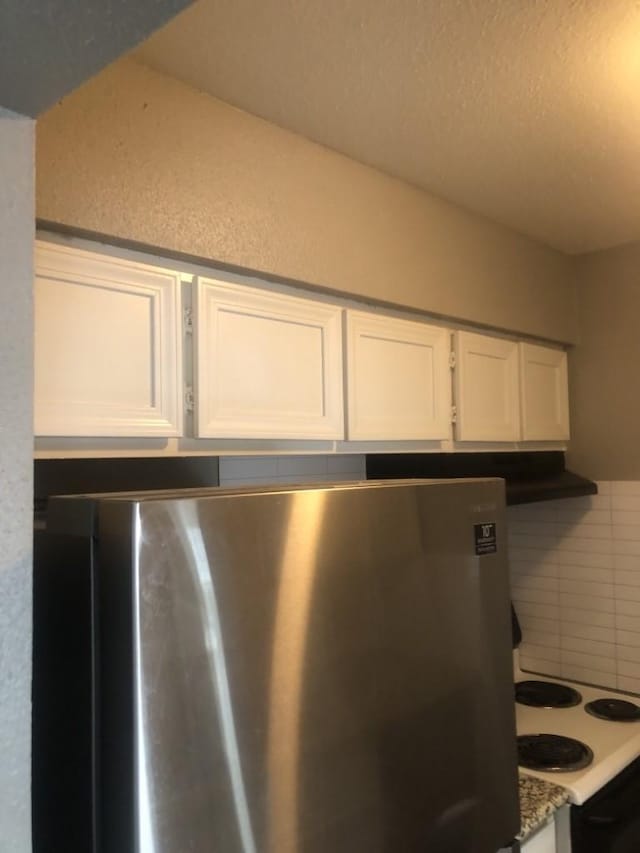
[(16, 451), (605, 364), (139, 156)]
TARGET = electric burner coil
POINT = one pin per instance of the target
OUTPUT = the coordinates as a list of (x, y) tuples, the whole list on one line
[(614, 710), (553, 753), (546, 694)]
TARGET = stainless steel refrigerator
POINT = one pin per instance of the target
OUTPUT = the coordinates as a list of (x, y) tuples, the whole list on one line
[(300, 670)]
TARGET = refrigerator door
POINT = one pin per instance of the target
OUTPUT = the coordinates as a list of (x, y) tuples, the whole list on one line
[(307, 671)]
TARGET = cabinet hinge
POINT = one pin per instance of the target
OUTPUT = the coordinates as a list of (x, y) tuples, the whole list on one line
[(452, 359), (187, 319), (189, 399), (454, 414)]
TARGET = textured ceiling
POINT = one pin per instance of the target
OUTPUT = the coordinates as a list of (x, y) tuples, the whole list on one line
[(527, 111)]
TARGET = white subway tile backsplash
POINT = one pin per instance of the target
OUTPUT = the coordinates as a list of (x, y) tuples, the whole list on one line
[(629, 668), (246, 482), (625, 487), (589, 661), (299, 479), (568, 517), (587, 675), (558, 530), (537, 611), (588, 631), (626, 546), (531, 580), (593, 502), (542, 638), (542, 568), (580, 587), (627, 578), (627, 623), (590, 516), (627, 562), (627, 531), (586, 573), (627, 593), (350, 464), (540, 652), (531, 624), (540, 665), (621, 516), (576, 585), (532, 542), (628, 638), (536, 528), (587, 647), (299, 466), (628, 653), (246, 468), (591, 531), (581, 544), (580, 504), (627, 608), (533, 596), (588, 602), (529, 555), (260, 470), (577, 616), (630, 685), (625, 502), (575, 558)]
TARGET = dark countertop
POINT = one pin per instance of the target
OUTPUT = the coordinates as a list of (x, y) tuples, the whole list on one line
[(538, 801)]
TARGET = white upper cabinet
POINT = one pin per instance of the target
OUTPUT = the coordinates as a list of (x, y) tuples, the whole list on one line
[(398, 379), (107, 346), (487, 388), (267, 365), (544, 393)]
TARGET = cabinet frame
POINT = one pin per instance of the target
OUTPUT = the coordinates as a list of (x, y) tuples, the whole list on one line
[(78, 418), (475, 343), (384, 426), (214, 298), (550, 425)]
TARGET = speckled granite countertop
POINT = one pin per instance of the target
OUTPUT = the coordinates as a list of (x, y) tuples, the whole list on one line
[(538, 800)]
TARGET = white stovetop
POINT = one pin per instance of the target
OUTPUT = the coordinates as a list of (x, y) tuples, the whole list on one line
[(614, 745)]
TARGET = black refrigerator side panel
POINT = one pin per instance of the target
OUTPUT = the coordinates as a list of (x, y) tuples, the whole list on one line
[(62, 802), (115, 681)]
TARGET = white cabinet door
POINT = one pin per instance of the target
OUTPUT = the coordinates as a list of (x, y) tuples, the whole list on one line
[(487, 398), (542, 841), (544, 393), (107, 346), (398, 377), (268, 365)]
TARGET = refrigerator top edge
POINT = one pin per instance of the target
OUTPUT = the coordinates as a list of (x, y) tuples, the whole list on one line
[(75, 515)]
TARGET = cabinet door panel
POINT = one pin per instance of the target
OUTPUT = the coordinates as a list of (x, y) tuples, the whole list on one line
[(268, 365), (486, 388), (543, 841), (399, 384), (107, 346), (544, 393)]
